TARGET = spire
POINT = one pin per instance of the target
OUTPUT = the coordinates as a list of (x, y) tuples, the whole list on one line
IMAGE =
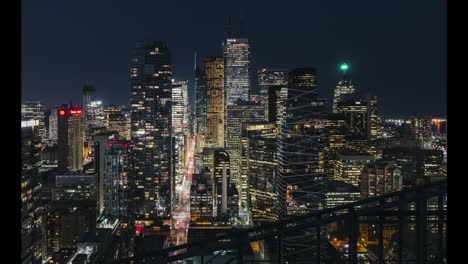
[(241, 22), (195, 61), (229, 28)]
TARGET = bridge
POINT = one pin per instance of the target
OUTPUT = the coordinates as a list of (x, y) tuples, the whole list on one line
[(416, 212)]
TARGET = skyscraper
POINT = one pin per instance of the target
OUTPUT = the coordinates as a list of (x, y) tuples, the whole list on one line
[(302, 160), (70, 138), (214, 68), (35, 111), (200, 99), (116, 199), (236, 57), (379, 178), (179, 94), (259, 164), (150, 79), (267, 78), (343, 87), (88, 93), (30, 189), (237, 114), (277, 96), (100, 142)]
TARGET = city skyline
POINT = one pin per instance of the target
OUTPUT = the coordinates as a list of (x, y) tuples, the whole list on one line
[(412, 52)]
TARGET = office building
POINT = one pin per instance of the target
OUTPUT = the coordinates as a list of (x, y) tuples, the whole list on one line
[(74, 187), (65, 223), (259, 165), (236, 57), (35, 111), (200, 99), (277, 96), (349, 166), (267, 78), (340, 193), (237, 114), (70, 138), (216, 163), (118, 120), (379, 178), (201, 199), (150, 100), (179, 96), (214, 68), (344, 87)]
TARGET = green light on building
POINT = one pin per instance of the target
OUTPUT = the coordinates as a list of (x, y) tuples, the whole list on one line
[(344, 67)]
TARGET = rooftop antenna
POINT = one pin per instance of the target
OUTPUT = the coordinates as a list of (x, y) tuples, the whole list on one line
[(195, 61)]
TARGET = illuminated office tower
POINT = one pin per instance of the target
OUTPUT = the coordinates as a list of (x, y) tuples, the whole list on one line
[(277, 96), (53, 136), (35, 111), (336, 126), (88, 94), (70, 138), (302, 161), (179, 92), (95, 123), (349, 167), (76, 187), (30, 189), (429, 163), (214, 68), (344, 87), (340, 193), (201, 199), (116, 196), (118, 120), (259, 164), (237, 114), (236, 55), (372, 118), (200, 100), (267, 78), (422, 130), (150, 100), (379, 178)]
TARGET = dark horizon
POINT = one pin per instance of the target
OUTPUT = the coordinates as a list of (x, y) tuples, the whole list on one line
[(396, 50)]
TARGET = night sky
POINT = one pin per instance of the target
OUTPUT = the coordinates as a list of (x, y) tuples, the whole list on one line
[(397, 49)]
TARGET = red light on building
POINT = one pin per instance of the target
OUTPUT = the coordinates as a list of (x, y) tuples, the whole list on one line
[(138, 229), (76, 112), (62, 112)]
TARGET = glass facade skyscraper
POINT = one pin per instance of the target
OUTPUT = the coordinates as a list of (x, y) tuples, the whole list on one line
[(236, 57), (267, 78), (214, 68)]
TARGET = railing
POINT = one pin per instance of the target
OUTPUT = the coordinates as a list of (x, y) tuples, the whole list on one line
[(402, 208)]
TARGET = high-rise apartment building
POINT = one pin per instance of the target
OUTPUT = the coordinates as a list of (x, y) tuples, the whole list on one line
[(151, 94), (236, 55), (214, 68), (267, 78), (116, 182)]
